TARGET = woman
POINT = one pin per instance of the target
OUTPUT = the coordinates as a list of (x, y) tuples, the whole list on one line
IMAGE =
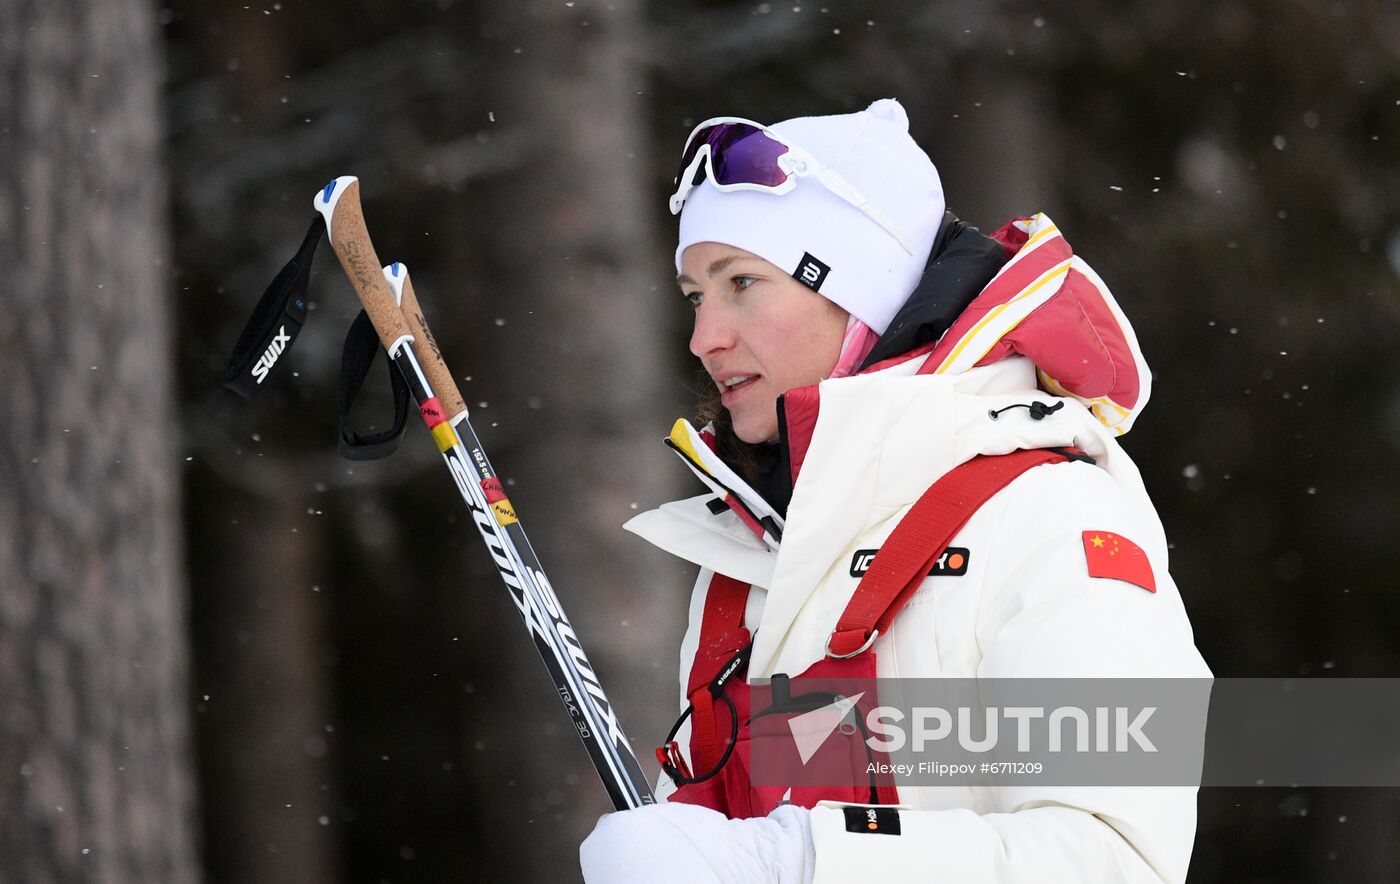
[(866, 345)]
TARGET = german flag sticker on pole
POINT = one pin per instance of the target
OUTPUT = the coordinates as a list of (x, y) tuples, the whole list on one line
[(1115, 556), (500, 504)]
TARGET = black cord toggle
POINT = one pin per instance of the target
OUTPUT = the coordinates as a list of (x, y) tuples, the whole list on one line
[(1038, 410)]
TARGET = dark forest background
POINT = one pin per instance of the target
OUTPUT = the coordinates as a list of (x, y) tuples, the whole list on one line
[(227, 654)]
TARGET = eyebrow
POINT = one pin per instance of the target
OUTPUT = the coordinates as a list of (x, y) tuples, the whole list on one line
[(715, 267)]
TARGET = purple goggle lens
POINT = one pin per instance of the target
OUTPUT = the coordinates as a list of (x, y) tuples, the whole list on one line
[(744, 155), (740, 153)]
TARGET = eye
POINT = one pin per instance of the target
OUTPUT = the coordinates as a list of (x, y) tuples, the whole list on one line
[(694, 298), (743, 282)]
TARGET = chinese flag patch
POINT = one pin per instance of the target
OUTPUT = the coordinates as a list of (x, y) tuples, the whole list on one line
[(1113, 555)]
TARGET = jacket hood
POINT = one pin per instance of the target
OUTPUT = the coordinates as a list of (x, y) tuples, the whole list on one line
[(1048, 305)]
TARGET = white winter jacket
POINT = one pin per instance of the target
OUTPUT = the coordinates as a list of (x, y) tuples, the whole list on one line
[(1025, 607)]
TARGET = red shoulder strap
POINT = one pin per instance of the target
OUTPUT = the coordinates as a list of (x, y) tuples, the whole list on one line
[(919, 539), (722, 632)]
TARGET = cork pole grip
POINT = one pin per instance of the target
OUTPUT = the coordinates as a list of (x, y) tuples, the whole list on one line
[(339, 203), (425, 347)]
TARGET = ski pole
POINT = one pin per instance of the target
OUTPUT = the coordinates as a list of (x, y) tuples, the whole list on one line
[(393, 308)]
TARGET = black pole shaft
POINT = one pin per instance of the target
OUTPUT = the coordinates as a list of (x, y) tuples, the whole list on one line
[(592, 714)]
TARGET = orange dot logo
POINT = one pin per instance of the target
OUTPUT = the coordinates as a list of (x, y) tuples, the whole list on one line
[(872, 826), (955, 561)]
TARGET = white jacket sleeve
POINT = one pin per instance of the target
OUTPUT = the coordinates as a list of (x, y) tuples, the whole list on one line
[(1041, 615)]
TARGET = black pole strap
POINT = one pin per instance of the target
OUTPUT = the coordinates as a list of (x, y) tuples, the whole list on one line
[(361, 345), (275, 322), (273, 327)]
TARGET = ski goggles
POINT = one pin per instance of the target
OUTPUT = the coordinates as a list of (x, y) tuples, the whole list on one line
[(743, 155)]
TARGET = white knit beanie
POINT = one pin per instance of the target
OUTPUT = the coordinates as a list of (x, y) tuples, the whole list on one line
[(847, 257)]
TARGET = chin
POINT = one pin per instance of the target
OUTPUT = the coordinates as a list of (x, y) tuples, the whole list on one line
[(747, 432)]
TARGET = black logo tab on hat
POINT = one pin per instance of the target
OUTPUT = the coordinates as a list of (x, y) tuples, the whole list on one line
[(811, 272)]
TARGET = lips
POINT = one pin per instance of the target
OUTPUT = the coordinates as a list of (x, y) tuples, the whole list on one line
[(730, 391)]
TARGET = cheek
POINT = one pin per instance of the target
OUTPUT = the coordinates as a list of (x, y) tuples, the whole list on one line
[(810, 352), (795, 337), (827, 335)]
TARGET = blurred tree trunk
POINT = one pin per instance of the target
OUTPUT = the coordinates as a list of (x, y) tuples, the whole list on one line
[(94, 730), (265, 729), (576, 249), (265, 726)]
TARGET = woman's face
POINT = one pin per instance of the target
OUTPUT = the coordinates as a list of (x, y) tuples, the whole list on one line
[(758, 332)]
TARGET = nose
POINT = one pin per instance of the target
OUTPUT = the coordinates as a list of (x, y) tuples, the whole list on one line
[(714, 329)]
